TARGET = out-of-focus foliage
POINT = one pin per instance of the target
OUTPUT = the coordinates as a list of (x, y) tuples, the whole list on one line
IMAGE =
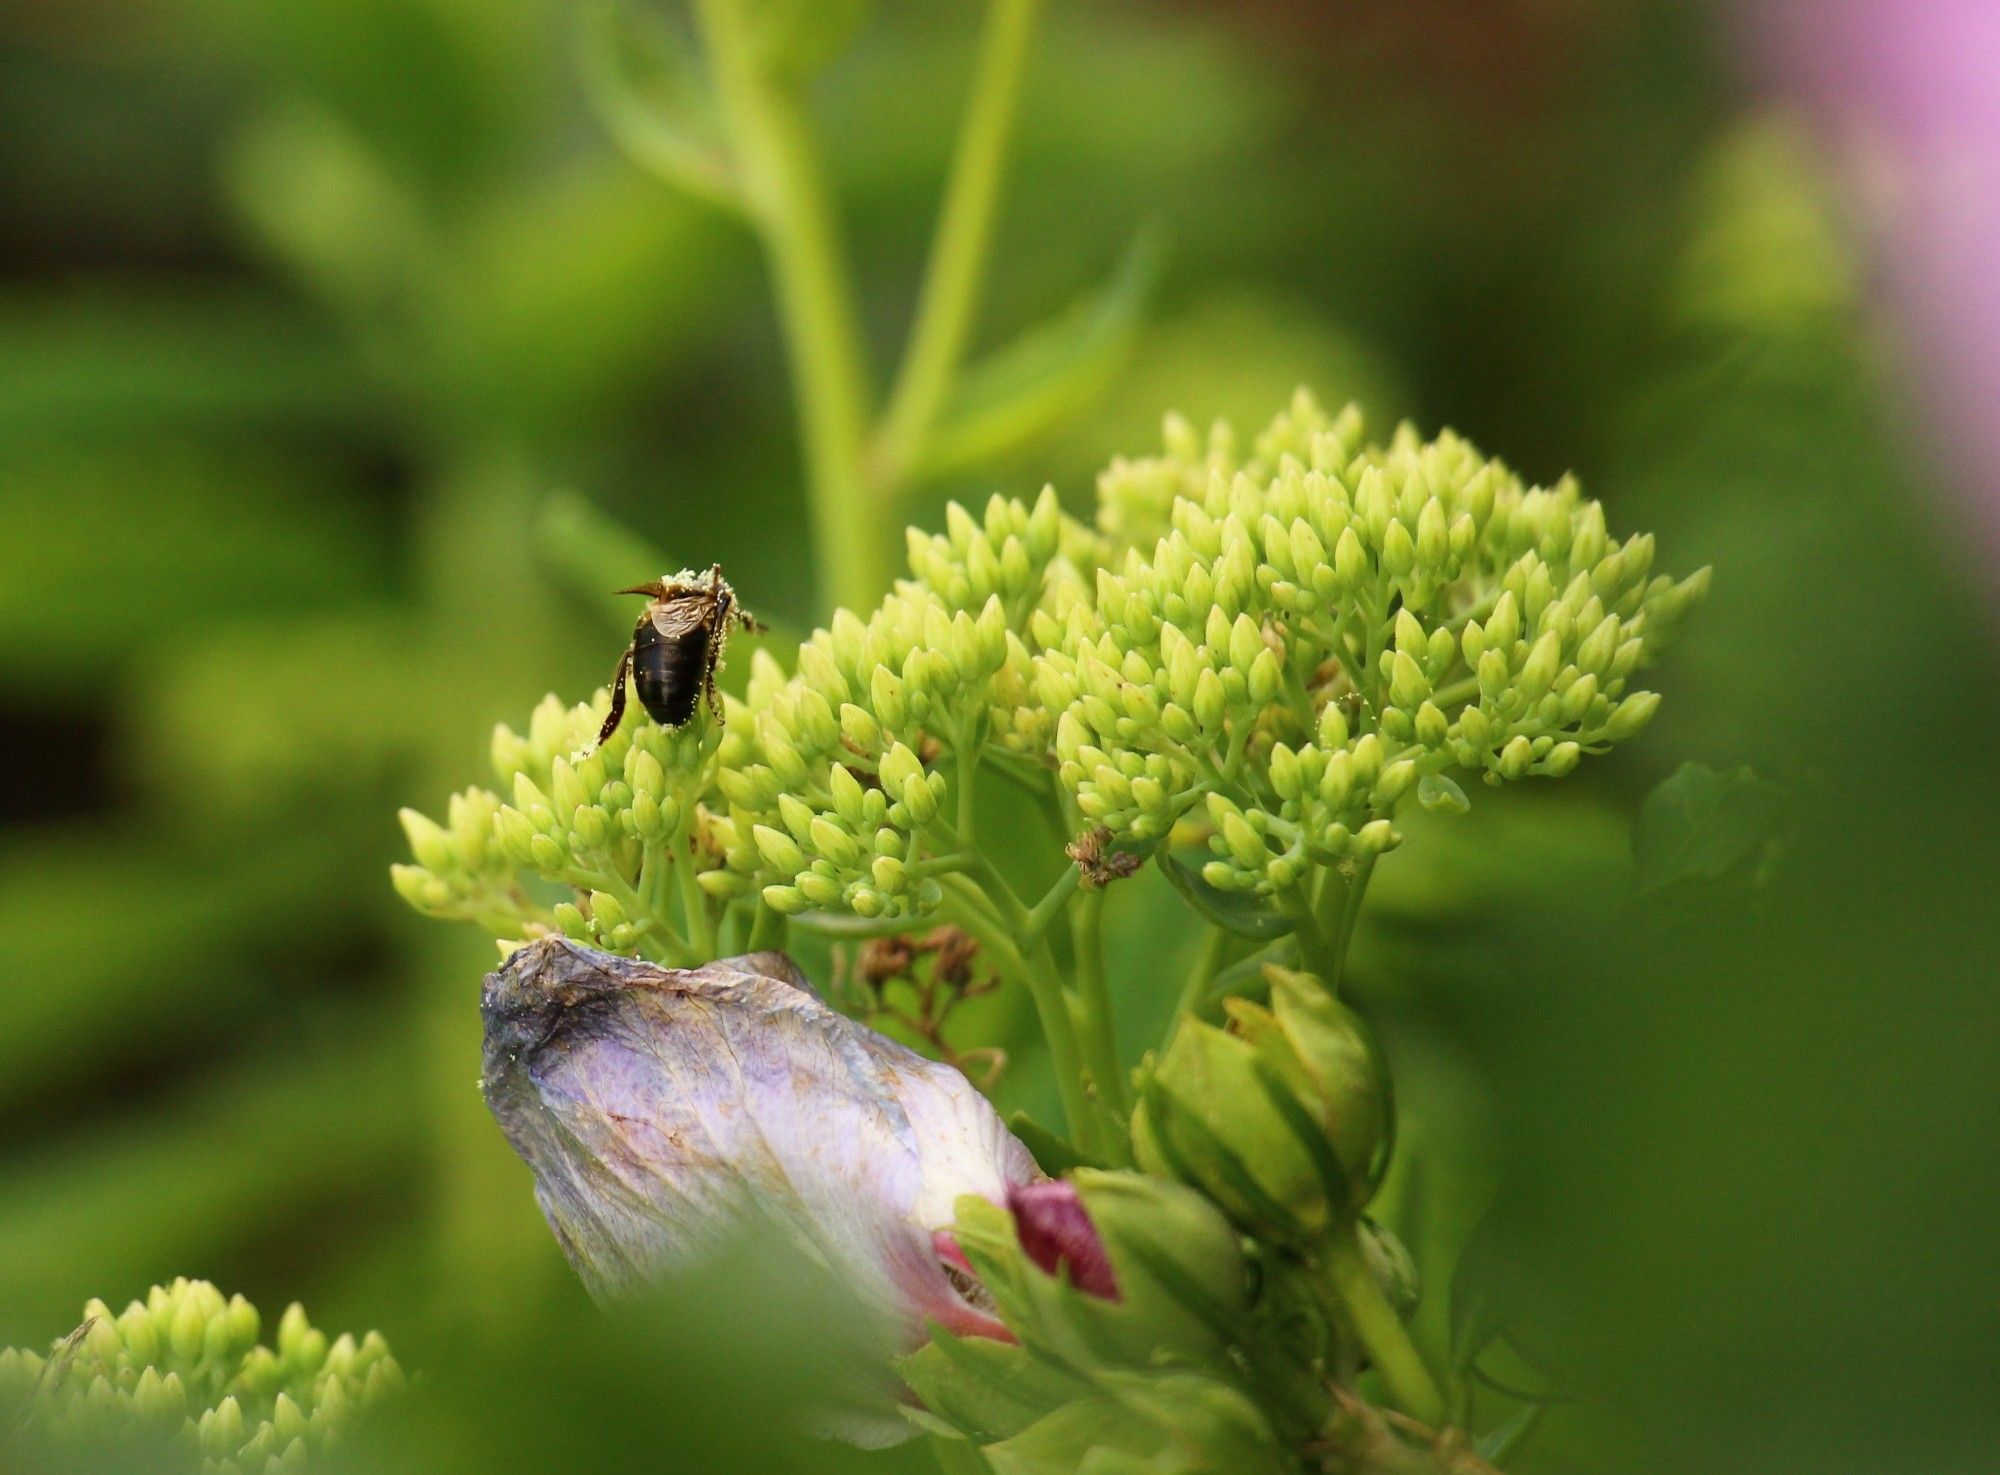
[(182, 1374), (307, 309)]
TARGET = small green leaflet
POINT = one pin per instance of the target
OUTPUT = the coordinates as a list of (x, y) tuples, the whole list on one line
[(1701, 825)]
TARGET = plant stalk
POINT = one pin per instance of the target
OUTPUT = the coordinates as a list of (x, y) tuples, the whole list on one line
[(1094, 994), (1348, 1283), (792, 209), (972, 911), (953, 277)]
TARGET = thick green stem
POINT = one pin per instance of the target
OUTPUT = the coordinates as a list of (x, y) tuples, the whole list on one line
[(972, 911), (1354, 891), (767, 931), (1357, 1299), (694, 904), (1315, 947), (793, 212), (1208, 963), (1052, 903), (1094, 993), (952, 280)]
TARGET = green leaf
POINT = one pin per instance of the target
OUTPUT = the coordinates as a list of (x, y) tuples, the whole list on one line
[(1504, 1440), (1233, 911), (1055, 1154), (1701, 825), (644, 81), (1049, 373), (231, 538), (591, 553), (795, 38), (106, 363), (300, 175)]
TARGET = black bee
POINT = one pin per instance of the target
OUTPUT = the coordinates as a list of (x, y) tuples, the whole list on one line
[(676, 647)]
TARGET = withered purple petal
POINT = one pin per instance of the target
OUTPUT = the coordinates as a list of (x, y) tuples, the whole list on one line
[(656, 1106)]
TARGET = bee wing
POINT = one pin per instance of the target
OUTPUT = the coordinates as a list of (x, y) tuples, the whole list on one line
[(677, 618)]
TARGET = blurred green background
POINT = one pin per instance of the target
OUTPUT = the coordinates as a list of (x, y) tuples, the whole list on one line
[(308, 309)]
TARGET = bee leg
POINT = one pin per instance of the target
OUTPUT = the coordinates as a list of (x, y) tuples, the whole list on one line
[(750, 623), (708, 692), (617, 699)]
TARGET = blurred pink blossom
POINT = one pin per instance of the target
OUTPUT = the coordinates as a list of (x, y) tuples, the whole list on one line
[(1908, 94)]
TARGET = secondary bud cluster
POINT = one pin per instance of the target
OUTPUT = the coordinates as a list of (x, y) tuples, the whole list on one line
[(841, 773), (1325, 629), (184, 1367), (1281, 1118)]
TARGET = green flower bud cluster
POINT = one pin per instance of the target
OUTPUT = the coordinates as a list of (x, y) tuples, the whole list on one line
[(1326, 630), (844, 775), (184, 1368), (611, 822)]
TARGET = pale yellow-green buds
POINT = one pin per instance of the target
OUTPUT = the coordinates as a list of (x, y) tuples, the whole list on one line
[(183, 1367)]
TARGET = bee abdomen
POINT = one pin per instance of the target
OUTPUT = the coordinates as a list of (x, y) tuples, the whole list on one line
[(669, 673)]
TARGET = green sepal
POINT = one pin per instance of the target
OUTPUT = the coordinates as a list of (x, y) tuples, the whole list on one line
[(1053, 1153), (1435, 791), (1164, 1424), (984, 1389)]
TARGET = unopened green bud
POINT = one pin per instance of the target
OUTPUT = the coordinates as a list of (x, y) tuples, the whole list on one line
[(922, 798), (1515, 758), (785, 900), (1377, 837), (1332, 727), (886, 690), (429, 842), (1395, 782), (1210, 701), (1432, 727), (1279, 1120), (898, 769), (1630, 716), (591, 827), (1407, 684), (1399, 550), (1503, 626), (724, 885), (831, 841), (1350, 561), (780, 851), (1538, 672), (859, 728), (1267, 675)]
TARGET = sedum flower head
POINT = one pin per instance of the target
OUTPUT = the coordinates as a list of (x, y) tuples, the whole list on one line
[(185, 1367), (1325, 629), (612, 823), (1268, 645)]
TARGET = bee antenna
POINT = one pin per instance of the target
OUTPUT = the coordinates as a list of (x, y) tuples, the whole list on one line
[(655, 590)]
